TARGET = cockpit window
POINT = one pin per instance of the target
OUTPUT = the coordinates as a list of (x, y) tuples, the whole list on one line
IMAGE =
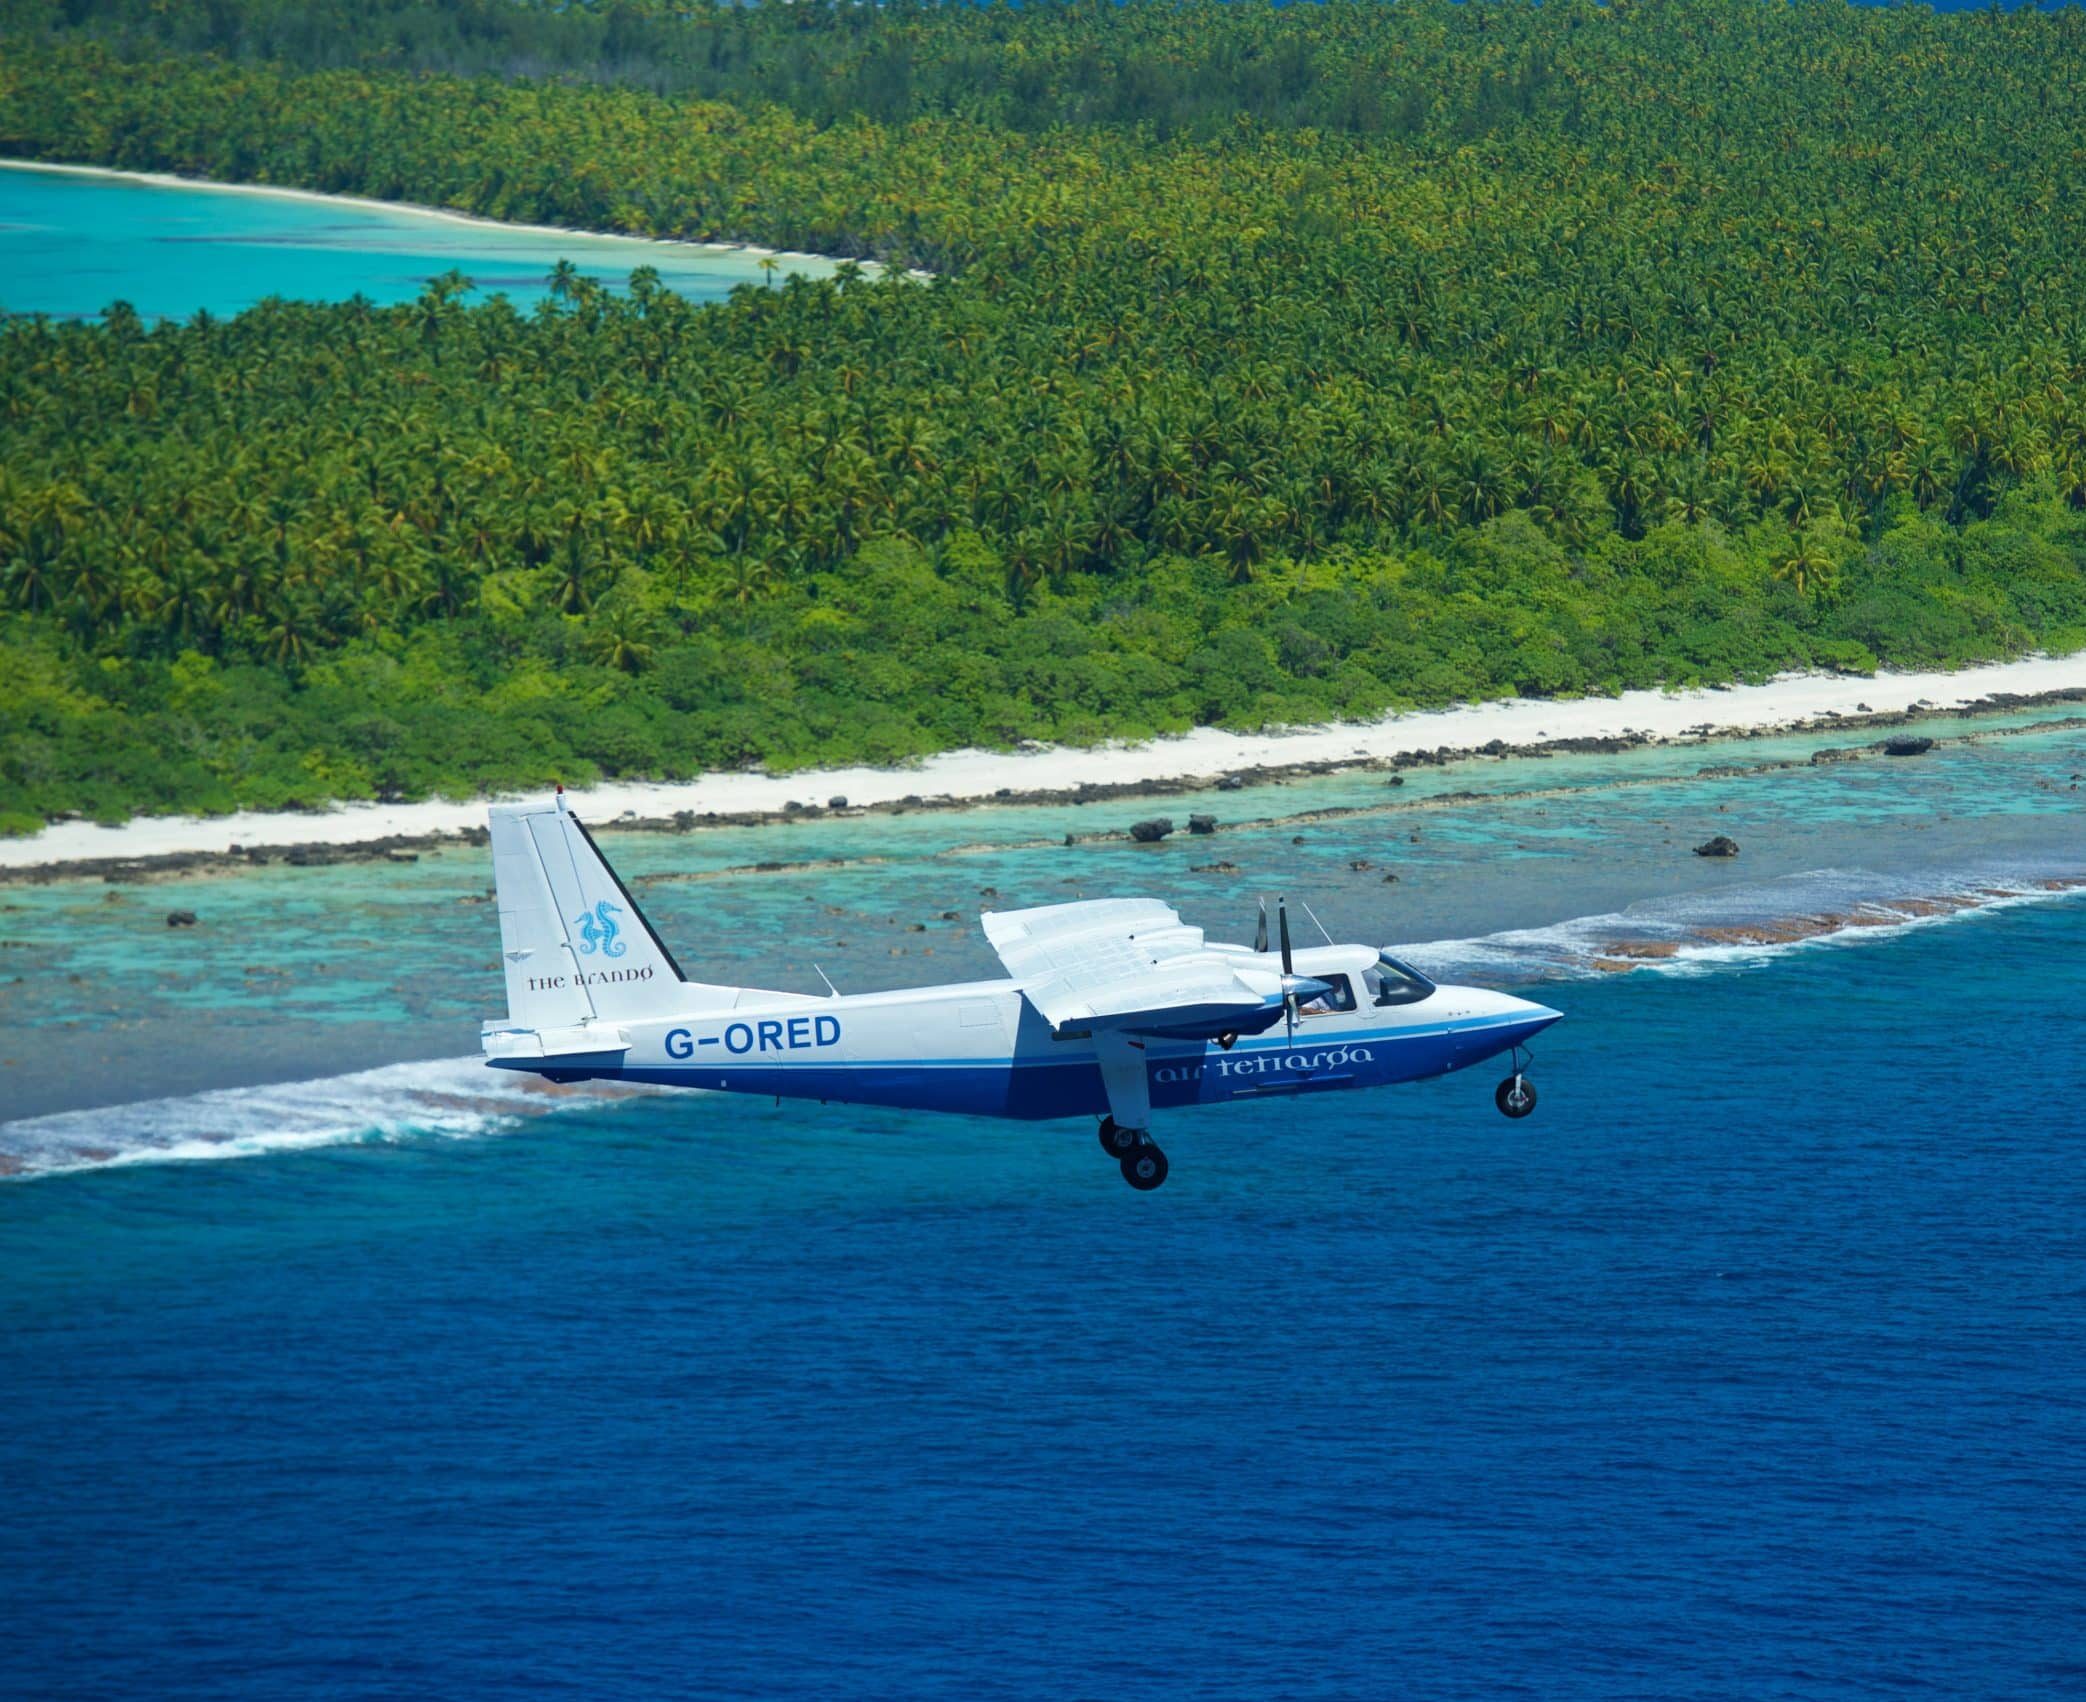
[(1393, 983)]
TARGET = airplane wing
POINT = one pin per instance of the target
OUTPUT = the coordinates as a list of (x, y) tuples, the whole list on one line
[(1129, 964)]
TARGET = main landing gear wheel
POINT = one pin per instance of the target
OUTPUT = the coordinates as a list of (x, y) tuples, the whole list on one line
[(1516, 1096), (1117, 1141), (1145, 1168)]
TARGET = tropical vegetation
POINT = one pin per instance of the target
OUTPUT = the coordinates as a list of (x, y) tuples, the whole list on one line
[(1275, 364)]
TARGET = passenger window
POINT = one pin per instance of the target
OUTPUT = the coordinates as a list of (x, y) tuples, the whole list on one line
[(1338, 996)]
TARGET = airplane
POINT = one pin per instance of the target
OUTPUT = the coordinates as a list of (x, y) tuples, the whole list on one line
[(1110, 1008)]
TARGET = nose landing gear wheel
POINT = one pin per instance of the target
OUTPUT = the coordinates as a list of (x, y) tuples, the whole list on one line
[(1117, 1141), (1516, 1096), (1145, 1168)]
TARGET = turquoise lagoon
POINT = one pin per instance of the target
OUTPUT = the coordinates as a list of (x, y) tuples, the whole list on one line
[(72, 243)]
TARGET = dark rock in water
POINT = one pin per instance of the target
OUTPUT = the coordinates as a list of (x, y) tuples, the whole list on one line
[(1219, 868), (1390, 880), (181, 918), (1296, 839), (1906, 744), (988, 892), (1202, 824), (1231, 783), (836, 803), (1151, 832), (952, 915), (401, 856), (1361, 863), (1721, 846), (1831, 753), (1395, 780), (1071, 839)]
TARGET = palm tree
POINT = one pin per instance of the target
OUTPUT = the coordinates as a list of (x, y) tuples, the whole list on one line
[(1808, 565), (749, 579), (620, 637)]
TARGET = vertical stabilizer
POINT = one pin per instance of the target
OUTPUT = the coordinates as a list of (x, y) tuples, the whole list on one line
[(576, 948)]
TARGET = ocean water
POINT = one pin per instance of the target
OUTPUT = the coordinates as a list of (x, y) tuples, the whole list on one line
[(71, 245), (1750, 1366)]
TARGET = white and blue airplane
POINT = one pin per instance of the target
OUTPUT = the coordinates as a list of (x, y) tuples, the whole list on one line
[(1111, 1007)]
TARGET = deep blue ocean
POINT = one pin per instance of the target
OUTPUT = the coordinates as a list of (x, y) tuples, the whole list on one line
[(1752, 1366)]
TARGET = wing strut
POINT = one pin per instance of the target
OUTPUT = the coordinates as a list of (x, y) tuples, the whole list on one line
[(1123, 1078)]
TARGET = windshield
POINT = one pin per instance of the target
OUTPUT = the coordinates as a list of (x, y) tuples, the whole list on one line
[(1394, 983)]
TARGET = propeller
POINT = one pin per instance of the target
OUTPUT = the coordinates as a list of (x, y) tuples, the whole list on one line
[(1294, 986), (1289, 975)]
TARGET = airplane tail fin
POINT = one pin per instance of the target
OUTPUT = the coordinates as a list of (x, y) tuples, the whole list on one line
[(578, 952)]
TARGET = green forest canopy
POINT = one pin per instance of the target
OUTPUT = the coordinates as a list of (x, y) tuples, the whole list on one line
[(1279, 364)]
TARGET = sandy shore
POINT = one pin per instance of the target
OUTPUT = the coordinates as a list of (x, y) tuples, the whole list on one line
[(1791, 701), (446, 215)]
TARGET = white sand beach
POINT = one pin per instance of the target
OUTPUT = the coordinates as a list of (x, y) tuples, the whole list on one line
[(1789, 701)]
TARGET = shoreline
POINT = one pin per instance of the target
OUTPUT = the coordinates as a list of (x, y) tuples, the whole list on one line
[(1195, 761), (448, 215)]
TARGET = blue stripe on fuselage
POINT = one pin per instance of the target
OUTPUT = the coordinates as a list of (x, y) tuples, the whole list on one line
[(1035, 1087)]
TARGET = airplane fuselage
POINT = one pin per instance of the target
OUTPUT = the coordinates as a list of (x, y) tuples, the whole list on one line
[(980, 1047), (1112, 1007)]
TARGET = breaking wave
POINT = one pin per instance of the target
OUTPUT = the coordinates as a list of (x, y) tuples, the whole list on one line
[(1824, 907), (452, 1097)]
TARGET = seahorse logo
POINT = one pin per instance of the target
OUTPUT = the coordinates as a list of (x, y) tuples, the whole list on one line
[(600, 931)]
